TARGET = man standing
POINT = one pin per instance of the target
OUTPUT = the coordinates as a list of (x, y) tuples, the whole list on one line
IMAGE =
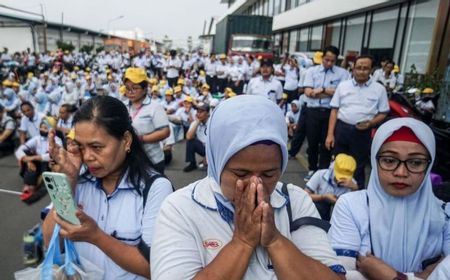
[(173, 68), (357, 106), (320, 84), (266, 85), (196, 136)]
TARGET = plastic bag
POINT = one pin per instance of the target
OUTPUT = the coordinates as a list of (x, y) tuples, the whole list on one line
[(53, 267)]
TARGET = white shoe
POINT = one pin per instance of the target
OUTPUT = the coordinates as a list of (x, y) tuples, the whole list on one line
[(307, 177)]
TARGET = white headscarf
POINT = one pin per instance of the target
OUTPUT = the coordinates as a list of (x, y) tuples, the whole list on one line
[(238, 123), (401, 227)]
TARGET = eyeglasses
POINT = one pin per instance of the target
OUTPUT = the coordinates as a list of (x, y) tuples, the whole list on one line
[(133, 89), (414, 165)]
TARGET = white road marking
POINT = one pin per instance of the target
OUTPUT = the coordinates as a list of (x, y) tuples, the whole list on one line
[(10, 192)]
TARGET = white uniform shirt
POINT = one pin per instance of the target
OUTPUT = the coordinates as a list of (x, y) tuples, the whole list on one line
[(210, 68), (223, 69), (31, 127), (291, 78), (358, 103), (322, 183), (200, 133), (147, 119), (173, 72), (319, 77), (270, 88), (190, 233), (37, 145), (121, 215), (66, 123)]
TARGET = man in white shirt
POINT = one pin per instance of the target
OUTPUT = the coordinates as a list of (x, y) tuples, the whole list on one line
[(196, 136), (29, 124), (266, 84), (357, 106), (222, 70), (210, 70), (173, 68)]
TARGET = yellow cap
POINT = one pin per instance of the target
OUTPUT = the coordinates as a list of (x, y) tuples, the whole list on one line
[(188, 99), (344, 166), (135, 75), (153, 81), (50, 122), (427, 90), (222, 56), (7, 83), (66, 51), (162, 83), (202, 73), (76, 68), (87, 77), (227, 90), (155, 88), (231, 94), (317, 58), (65, 71), (169, 91), (15, 84), (88, 69), (71, 134), (73, 76), (122, 90), (396, 69), (177, 89), (205, 86), (180, 82), (30, 75), (285, 96)]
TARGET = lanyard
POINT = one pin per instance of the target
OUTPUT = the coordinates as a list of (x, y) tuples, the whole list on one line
[(135, 113)]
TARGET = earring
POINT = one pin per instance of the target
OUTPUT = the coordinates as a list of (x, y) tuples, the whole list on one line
[(128, 150)]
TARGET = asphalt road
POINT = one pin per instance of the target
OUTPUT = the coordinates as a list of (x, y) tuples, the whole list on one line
[(17, 217)]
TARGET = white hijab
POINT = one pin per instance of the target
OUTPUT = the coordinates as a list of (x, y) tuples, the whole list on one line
[(401, 227), (238, 123)]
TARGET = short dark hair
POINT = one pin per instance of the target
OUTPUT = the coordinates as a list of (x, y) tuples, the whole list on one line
[(389, 61), (365, 56), (26, 103), (332, 49)]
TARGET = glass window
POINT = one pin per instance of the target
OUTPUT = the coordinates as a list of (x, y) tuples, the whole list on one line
[(401, 28), (303, 41), (316, 37), (293, 41), (283, 6), (383, 21), (271, 4), (332, 33), (277, 6), (266, 7), (354, 34), (419, 34)]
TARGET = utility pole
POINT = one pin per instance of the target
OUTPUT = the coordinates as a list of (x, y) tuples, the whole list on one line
[(45, 28)]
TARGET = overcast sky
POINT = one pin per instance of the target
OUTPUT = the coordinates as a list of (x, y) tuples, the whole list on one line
[(176, 18)]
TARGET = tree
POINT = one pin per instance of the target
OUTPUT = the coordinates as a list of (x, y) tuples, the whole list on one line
[(65, 46)]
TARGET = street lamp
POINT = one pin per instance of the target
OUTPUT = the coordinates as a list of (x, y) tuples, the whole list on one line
[(111, 20)]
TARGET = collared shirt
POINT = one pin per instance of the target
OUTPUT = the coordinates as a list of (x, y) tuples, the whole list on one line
[(66, 123), (291, 77), (379, 76), (37, 145), (194, 226), (175, 64), (121, 215), (184, 116), (319, 77), (222, 70), (31, 127), (200, 134), (149, 117), (7, 123), (210, 68), (270, 88), (357, 103), (322, 182)]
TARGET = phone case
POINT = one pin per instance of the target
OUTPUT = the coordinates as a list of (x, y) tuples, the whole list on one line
[(60, 193)]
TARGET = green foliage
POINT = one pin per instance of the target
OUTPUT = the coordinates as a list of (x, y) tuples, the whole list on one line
[(65, 46), (413, 79), (99, 49), (87, 48)]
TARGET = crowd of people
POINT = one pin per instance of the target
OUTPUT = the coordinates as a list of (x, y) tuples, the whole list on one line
[(109, 122)]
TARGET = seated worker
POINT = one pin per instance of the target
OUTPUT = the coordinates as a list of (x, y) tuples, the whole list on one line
[(326, 185), (33, 157), (7, 128), (234, 223), (397, 227), (196, 136)]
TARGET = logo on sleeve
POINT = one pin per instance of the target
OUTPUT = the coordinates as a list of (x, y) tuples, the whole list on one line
[(212, 244)]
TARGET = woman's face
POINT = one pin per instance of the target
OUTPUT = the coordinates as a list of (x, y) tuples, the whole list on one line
[(134, 92), (102, 153), (401, 182), (262, 161)]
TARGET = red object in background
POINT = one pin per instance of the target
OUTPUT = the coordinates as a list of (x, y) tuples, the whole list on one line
[(399, 111)]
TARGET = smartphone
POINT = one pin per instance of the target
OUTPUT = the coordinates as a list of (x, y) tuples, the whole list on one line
[(60, 192)]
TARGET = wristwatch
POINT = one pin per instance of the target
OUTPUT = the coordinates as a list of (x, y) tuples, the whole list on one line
[(400, 276)]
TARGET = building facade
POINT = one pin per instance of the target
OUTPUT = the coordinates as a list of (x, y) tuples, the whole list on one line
[(410, 31)]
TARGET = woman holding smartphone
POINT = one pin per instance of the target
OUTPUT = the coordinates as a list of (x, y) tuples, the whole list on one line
[(116, 223)]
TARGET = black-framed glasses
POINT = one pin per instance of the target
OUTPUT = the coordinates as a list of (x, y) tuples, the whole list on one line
[(414, 165)]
